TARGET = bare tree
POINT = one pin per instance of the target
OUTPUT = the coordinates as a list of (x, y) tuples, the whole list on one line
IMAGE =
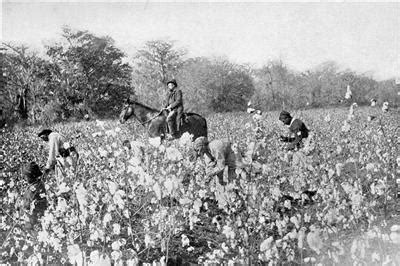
[(23, 81), (155, 63)]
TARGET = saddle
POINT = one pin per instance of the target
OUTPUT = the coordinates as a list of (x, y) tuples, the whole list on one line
[(183, 120)]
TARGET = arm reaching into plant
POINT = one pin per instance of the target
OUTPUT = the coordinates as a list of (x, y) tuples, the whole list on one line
[(215, 169), (217, 154)]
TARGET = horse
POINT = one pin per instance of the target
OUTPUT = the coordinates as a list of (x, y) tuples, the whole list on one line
[(156, 121)]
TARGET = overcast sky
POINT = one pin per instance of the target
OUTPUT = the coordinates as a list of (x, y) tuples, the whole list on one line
[(362, 36)]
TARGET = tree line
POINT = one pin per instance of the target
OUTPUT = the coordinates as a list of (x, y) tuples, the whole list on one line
[(84, 75)]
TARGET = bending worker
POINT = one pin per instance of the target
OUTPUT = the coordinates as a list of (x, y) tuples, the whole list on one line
[(58, 149), (217, 155)]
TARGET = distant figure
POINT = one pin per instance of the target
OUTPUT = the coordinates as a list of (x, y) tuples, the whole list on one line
[(297, 129), (174, 106), (373, 102), (35, 201), (349, 94), (385, 107), (58, 149), (217, 155), (351, 115)]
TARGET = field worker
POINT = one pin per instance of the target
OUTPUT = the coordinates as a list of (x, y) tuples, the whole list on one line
[(35, 201), (58, 149), (174, 106), (352, 109), (373, 102), (217, 155), (349, 94), (297, 129)]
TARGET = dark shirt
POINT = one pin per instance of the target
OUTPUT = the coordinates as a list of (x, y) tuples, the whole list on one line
[(299, 132), (298, 128), (174, 99)]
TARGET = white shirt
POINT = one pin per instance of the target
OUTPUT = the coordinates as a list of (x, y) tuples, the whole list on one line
[(56, 141)]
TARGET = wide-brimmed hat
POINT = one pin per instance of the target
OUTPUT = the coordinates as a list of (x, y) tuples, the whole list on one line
[(44, 132), (173, 81)]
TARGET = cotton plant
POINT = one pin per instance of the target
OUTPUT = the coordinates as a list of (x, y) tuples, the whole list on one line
[(121, 205)]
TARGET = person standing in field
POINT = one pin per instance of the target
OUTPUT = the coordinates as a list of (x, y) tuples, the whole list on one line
[(297, 129), (35, 201), (174, 106), (217, 155)]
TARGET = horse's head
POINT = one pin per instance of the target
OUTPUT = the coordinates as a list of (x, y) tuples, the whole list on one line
[(142, 113), (126, 113)]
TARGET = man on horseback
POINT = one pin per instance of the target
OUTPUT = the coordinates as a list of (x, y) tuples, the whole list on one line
[(174, 106)]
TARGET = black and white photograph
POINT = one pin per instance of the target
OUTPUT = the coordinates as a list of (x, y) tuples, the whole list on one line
[(163, 133)]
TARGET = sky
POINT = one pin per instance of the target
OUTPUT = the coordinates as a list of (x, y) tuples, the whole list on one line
[(362, 36)]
